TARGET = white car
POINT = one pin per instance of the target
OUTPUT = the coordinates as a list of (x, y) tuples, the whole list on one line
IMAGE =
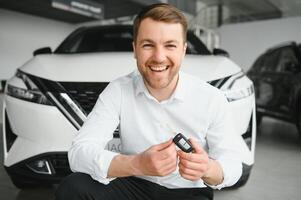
[(49, 97)]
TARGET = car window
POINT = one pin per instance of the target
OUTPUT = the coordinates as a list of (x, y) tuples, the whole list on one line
[(258, 64), (287, 58), (269, 63), (105, 40), (115, 39)]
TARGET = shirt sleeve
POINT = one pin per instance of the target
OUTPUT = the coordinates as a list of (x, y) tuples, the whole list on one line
[(87, 153), (225, 143)]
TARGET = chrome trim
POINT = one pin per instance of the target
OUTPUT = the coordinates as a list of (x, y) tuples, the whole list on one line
[(39, 172), (73, 106), (63, 110)]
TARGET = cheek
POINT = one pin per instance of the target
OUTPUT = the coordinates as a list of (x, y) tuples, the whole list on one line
[(177, 56), (142, 58), (177, 59)]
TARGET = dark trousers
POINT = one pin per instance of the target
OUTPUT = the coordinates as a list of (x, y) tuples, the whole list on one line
[(81, 186)]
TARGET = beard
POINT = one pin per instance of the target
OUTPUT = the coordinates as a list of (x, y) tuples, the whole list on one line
[(159, 77)]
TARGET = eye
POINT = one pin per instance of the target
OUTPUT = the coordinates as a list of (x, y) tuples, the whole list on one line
[(171, 46), (147, 45)]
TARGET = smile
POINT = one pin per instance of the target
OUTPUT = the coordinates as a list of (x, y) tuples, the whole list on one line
[(159, 68)]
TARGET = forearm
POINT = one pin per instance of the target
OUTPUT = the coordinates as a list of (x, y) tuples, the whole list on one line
[(123, 165), (214, 174)]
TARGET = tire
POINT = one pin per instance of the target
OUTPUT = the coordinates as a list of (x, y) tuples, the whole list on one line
[(242, 181), (246, 171)]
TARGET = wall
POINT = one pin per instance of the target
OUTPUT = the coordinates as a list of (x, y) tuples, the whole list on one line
[(246, 41), (21, 34)]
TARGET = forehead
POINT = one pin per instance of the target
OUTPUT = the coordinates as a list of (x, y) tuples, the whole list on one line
[(158, 30)]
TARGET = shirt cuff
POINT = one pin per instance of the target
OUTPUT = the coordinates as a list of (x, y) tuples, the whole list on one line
[(232, 172), (102, 164)]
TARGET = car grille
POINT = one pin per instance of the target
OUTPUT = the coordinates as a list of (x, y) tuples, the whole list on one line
[(84, 94)]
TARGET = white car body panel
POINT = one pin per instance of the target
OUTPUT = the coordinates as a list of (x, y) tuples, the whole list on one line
[(50, 130)]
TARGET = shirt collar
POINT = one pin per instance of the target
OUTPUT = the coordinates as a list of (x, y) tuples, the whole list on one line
[(179, 93)]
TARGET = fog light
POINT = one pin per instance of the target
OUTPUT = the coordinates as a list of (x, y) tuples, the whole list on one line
[(40, 166)]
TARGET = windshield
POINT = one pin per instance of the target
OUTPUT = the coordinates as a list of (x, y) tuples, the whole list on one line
[(114, 39)]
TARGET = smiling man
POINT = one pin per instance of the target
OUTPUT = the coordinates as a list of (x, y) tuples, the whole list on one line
[(150, 105)]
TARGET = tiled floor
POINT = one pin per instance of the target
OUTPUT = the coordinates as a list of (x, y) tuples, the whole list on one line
[(275, 176)]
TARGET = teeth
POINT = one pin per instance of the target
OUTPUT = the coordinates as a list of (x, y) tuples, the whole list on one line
[(158, 68)]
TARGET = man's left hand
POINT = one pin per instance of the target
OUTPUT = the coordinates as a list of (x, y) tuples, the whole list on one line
[(193, 166)]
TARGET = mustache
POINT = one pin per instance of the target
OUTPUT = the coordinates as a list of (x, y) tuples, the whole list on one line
[(153, 62)]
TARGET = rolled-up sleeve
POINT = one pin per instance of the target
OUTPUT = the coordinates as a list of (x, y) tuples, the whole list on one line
[(87, 153), (225, 144)]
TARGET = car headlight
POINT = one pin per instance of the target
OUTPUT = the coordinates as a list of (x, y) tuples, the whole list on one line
[(237, 87), (32, 93), (239, 94)]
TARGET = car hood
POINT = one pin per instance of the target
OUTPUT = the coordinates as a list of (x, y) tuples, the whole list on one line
[(104, 67)]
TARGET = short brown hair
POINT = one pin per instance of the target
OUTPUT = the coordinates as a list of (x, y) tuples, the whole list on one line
[(160, 12)]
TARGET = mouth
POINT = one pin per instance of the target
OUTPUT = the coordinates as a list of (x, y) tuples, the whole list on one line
[(158, 68)]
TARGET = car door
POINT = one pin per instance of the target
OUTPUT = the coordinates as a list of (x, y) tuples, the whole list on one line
[(265, 80), (287, 67), (274, 85)]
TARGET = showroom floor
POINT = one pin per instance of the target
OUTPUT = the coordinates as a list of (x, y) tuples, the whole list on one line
[(275, 176)]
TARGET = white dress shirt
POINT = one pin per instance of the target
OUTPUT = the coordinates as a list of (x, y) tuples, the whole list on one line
[(196, 109)]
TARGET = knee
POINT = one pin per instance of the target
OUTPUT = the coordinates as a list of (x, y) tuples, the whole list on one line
[(73, 187)]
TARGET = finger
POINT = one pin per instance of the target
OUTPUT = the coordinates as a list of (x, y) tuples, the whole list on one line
[(163, 145), (169, 168), (200, 169), (187, 171), (167, 157), (196, 146), (169, 151), (190, 165), (166, 166), (192, 157), (189, 177)]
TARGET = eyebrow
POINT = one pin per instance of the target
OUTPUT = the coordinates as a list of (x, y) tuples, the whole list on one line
[(151, 41), (172, 41)]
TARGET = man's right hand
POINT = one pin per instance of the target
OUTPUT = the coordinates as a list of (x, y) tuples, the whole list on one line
[(158, 160)]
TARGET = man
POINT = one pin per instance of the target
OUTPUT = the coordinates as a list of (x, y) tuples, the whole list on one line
[(150, 105)]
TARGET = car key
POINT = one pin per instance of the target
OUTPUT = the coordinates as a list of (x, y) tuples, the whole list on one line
[(183, 143)]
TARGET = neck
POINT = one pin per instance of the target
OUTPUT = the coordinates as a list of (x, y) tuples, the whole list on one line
[(165, 93)]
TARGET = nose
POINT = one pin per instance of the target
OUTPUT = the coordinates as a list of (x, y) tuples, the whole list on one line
[(159, 54)]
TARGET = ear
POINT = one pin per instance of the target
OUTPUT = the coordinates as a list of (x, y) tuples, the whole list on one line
[(134, 49)]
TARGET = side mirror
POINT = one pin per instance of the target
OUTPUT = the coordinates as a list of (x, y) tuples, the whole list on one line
[(221, 52), (44, 50)]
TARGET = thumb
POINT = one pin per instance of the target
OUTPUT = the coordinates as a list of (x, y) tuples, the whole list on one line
[(162, 145), (196, 146)]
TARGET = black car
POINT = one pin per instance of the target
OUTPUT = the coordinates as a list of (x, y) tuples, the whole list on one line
[(277, 79)]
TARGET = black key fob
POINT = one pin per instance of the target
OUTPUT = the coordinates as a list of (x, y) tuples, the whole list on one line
[(183, 143)]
